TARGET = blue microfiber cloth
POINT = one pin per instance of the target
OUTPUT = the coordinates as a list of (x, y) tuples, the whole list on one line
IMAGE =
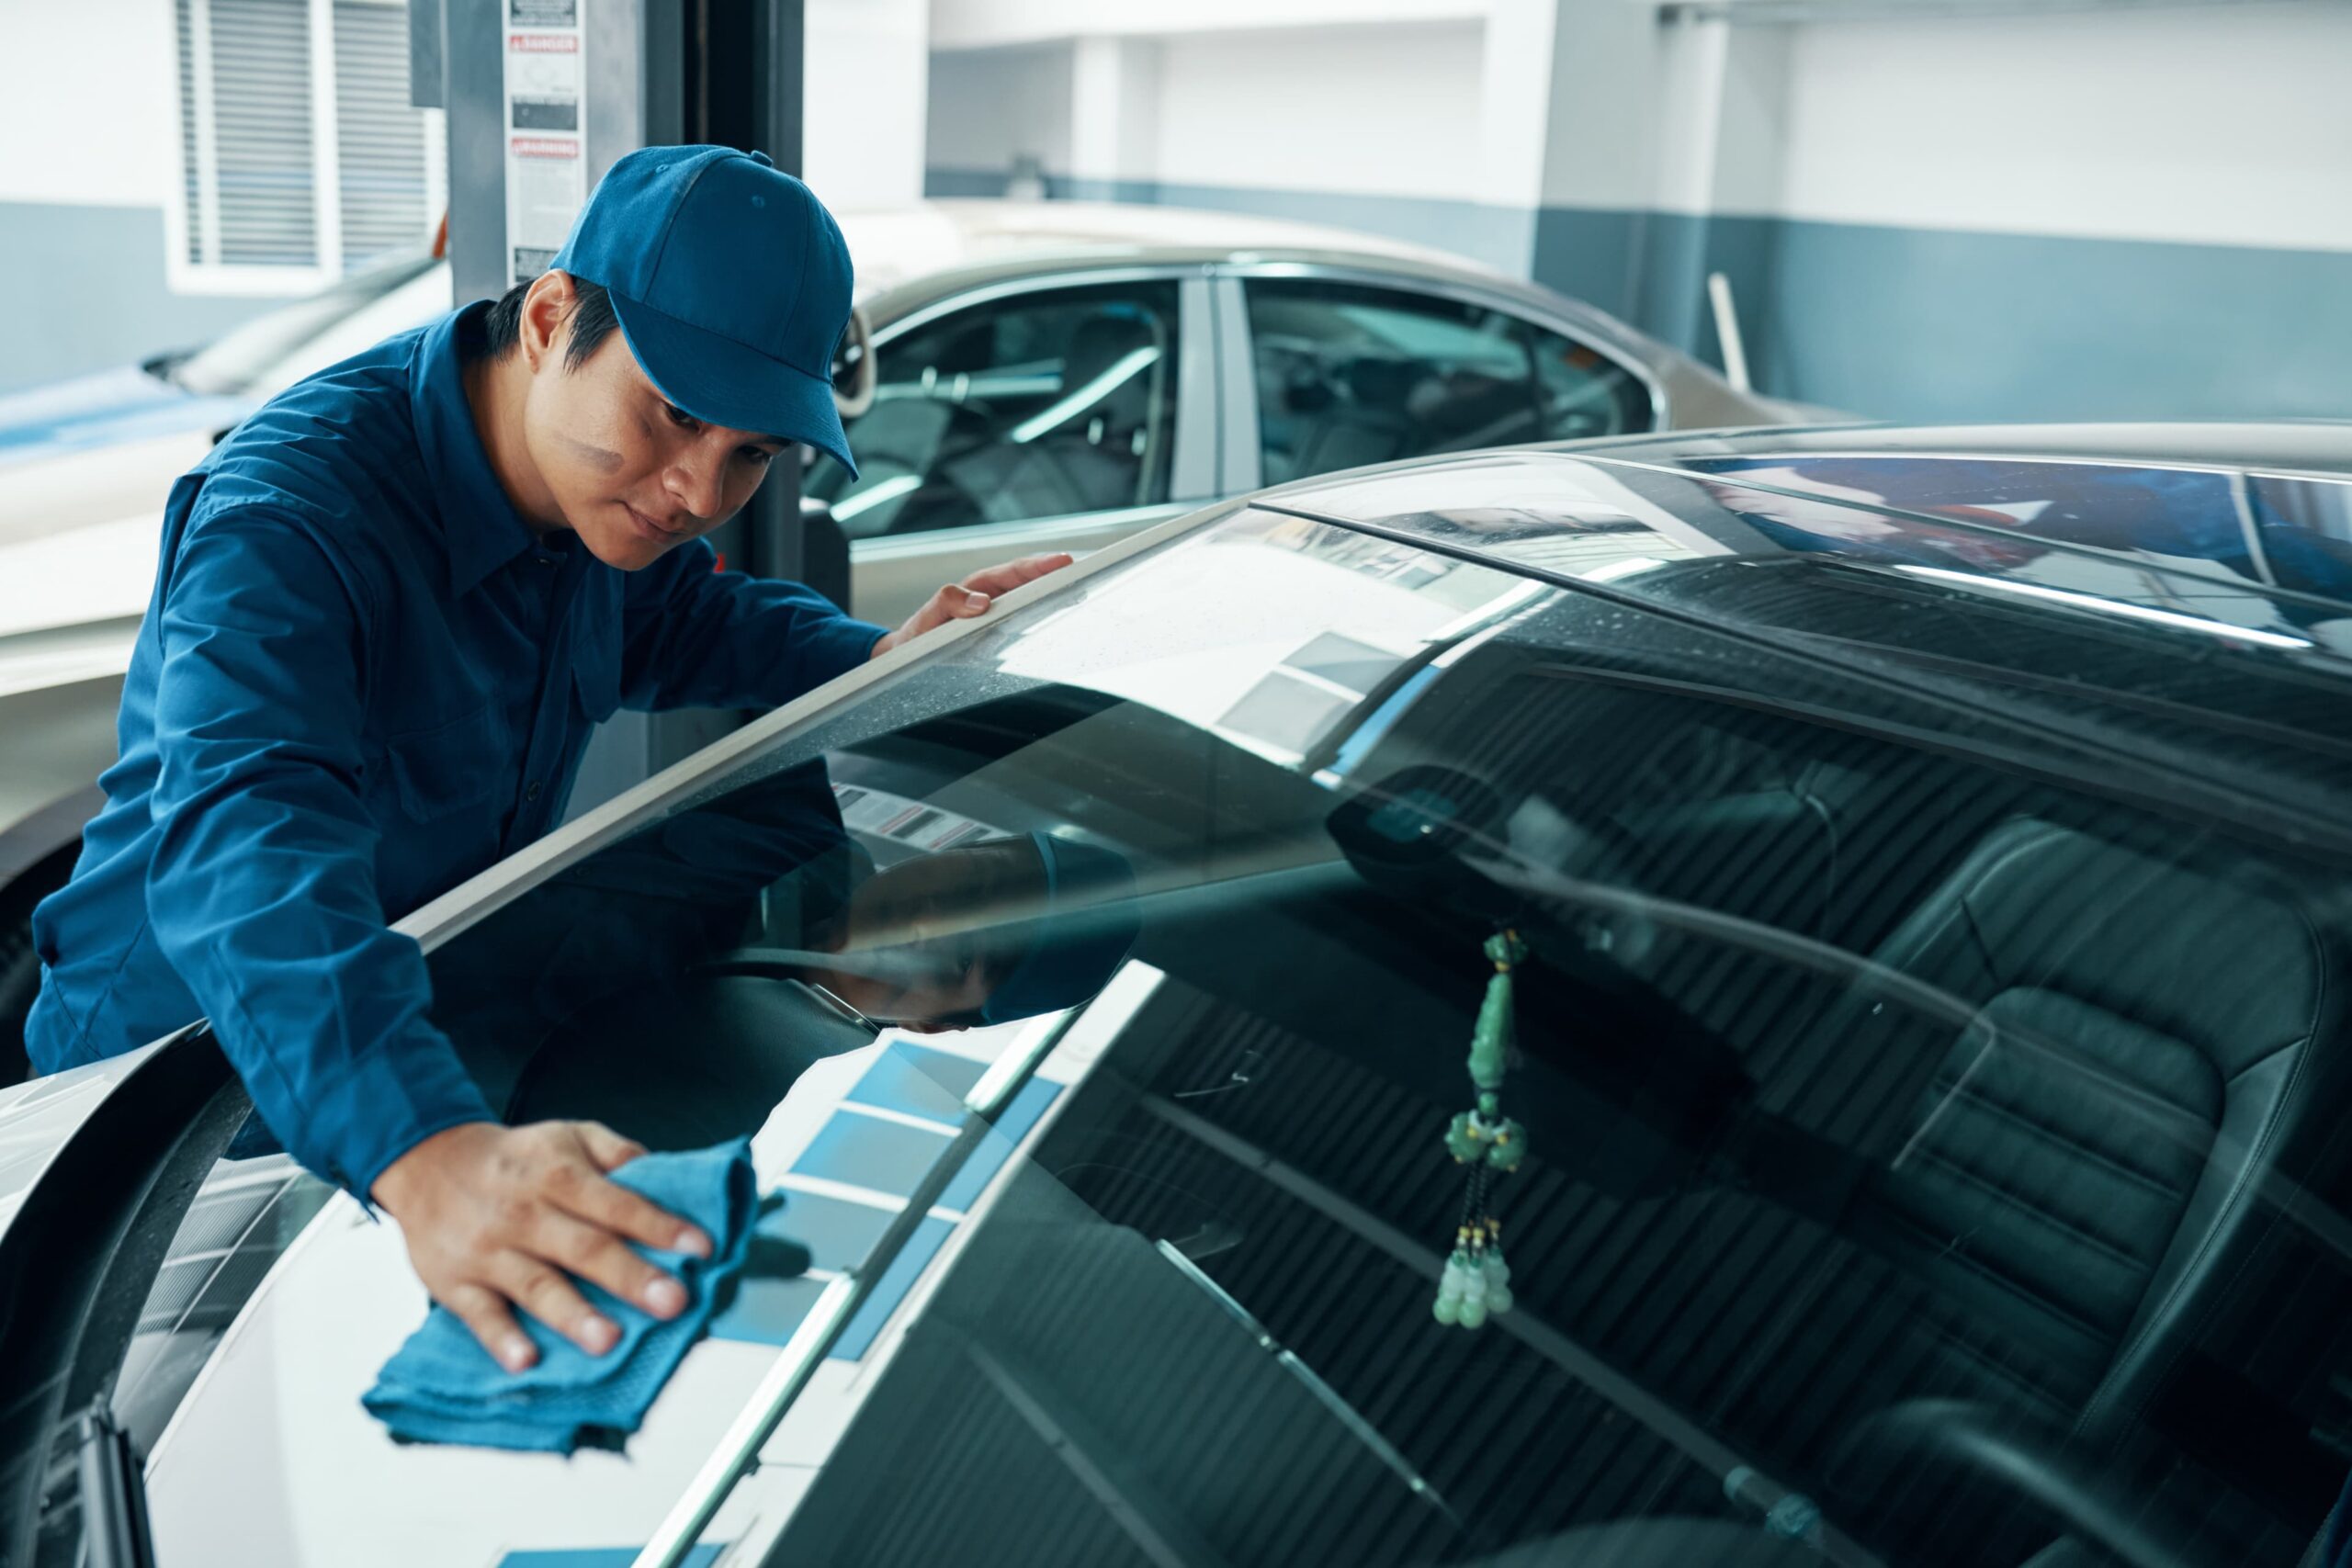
[(443, 1387)]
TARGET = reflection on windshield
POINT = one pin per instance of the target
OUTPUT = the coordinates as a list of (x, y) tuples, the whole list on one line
[(2180, 539), (764, 912), (1900, 1089)]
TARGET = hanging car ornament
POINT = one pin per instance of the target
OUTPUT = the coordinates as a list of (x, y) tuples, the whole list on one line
[(1477, 1283)]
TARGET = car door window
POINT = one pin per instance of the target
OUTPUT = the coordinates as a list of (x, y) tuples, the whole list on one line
[(1349, 373), (1041, 405)]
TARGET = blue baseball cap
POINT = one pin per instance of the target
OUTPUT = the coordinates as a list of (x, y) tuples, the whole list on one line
[(731, 283)]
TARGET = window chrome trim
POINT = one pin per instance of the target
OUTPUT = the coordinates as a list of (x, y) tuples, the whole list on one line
[(739, 1449), (1504, 300), (1073, 278), (1012, 534), (1192, 468), (1243, 464)]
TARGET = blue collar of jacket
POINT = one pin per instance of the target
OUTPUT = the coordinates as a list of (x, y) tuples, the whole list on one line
[(480, 526)]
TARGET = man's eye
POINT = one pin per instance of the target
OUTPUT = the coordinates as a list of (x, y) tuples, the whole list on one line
[(759, 454), (681, 418)]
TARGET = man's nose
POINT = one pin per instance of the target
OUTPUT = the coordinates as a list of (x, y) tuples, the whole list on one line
[(697, 480)]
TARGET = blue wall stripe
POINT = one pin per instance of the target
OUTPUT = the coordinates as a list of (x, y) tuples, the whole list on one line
[(1897, 322), (1930, 324)]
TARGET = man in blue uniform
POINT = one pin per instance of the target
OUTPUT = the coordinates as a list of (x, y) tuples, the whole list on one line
[(390, 608)]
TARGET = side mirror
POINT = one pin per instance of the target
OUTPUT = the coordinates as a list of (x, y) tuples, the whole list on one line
[(853, 373)]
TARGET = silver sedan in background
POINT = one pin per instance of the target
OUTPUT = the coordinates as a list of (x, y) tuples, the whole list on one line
[(1023, 376)]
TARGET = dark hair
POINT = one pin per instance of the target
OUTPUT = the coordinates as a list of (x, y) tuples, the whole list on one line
[(591, 318)]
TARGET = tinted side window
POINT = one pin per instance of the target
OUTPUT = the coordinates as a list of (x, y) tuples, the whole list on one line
[(1349, 373), (1037, 406)]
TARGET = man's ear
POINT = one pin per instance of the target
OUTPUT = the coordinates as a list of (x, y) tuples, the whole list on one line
[(546, 311)]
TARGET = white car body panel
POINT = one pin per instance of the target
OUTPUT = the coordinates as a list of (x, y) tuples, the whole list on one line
[(271, 1458)]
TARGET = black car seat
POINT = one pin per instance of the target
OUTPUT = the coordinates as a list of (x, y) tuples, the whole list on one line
[(1100, 453), (1370, 423), (2089, 1162), (1091, 460), (2096, 1094)]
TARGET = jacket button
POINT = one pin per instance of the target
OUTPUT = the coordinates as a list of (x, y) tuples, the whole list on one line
[(531, 790)]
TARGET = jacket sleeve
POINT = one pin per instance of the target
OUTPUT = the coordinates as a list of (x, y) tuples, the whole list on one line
[(696, 637), (262, 893)]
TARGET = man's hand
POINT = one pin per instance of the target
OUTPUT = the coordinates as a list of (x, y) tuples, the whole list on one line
[(497, 1217), (962, 601)]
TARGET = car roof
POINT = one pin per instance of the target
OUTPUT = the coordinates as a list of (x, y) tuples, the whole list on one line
[(2240, 532), (2296, 445), (1522, 477), (908, 257), (892, 245)]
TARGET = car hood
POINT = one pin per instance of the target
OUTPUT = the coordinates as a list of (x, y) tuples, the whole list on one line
[(102, 410), (270, 1458), (79, 527)]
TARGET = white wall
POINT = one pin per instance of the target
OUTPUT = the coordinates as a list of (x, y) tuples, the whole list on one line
[(86, 114), (1261, 109), (868, 82), (987, 24), (2220, 124), (1273, 109), (989, 106)]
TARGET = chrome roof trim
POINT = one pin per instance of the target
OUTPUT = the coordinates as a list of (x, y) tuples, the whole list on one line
[(2296, 448), (1765, 453), (739, 1450), (935, 304)]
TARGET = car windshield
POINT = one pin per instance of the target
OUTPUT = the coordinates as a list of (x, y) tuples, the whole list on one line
[(1911, 1131), (244, 357)]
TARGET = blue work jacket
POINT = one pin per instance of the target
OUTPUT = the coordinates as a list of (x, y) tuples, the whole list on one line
[(361, 680)]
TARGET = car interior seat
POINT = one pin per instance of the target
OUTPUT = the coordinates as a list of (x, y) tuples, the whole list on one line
[(2094, 1169), (1369, 424), (1100, 455), (2084, 1164)]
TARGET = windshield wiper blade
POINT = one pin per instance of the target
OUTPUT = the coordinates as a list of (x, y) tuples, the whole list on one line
[(115, 1531), (1324, 1394)]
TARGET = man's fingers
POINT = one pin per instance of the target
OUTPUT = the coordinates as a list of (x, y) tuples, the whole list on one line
[(600, 1257), (547, 1295), (608, 1205), (1004, 579), (484, 1312), (606, 1147)]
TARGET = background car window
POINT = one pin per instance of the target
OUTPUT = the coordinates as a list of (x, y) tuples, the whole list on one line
[(1349, 373), (1037, 406)]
